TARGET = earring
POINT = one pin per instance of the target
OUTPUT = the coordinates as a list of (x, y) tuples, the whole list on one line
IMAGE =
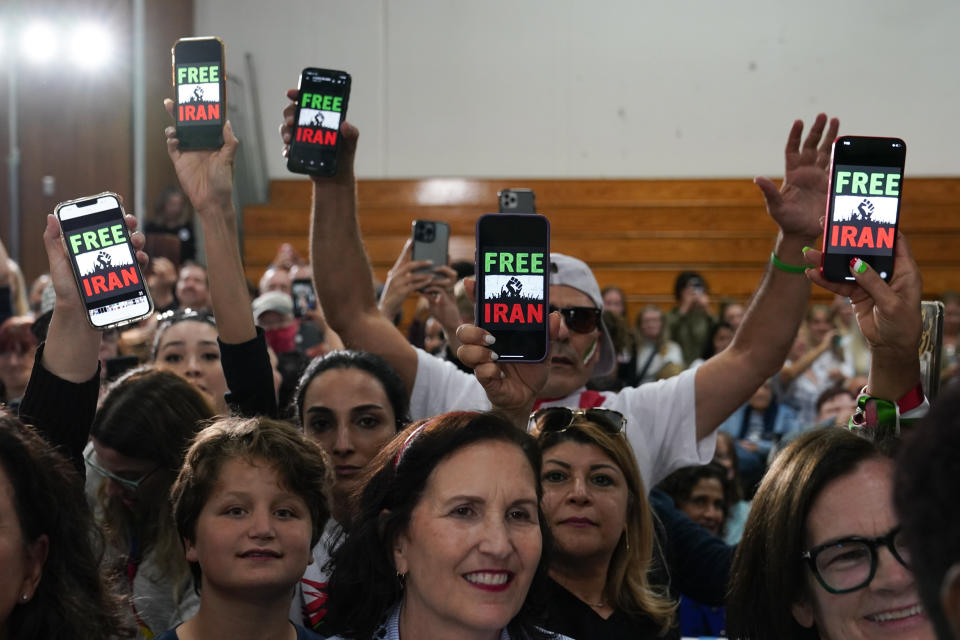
[(402, 579), (25, 597)]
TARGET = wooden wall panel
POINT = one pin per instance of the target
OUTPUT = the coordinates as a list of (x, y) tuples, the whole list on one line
[(637, 234), (76, 126)]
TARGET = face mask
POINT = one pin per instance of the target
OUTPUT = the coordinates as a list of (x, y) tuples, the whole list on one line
[(282, 340)]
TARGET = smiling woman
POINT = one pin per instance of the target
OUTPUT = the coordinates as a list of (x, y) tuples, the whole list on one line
[(440, 546), (821, 555)]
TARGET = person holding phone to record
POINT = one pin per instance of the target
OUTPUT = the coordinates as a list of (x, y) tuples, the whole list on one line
[(672, 422)]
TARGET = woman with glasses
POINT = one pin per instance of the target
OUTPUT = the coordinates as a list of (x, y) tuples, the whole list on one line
[(138, 437), (822, 555), (596, 506)]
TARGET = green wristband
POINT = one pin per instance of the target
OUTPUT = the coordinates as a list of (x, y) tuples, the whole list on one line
[(783, 266)]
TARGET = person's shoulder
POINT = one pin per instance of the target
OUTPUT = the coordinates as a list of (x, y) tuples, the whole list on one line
[(650, 393)]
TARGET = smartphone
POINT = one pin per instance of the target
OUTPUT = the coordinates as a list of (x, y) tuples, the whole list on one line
[(517, 201), (199, 83), (931, 347), (431, 240), (321, 107), (104, 265), (513, 284), (863, 208), (304, 297)]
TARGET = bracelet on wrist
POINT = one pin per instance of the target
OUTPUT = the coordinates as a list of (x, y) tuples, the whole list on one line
[(887, 417), (783, 266)]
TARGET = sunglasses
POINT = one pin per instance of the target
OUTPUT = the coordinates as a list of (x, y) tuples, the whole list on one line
[(580, 319), (559, 419), (130, 485)]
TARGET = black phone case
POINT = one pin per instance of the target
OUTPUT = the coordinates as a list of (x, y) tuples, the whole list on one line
[(298, 164), (514, 345), (859, 233), (199, 137)]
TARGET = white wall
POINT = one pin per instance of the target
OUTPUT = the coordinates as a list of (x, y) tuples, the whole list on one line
[(608, 88)]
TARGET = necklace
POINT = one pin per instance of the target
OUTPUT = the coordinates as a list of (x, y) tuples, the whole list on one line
[(599, 605)]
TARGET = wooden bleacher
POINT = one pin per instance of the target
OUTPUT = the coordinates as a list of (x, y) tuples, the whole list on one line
[(637, 234)]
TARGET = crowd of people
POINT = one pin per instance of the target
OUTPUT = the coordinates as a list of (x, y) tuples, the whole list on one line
[(247, 463)]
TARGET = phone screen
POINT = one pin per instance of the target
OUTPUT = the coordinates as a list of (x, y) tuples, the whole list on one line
[(108, 276), (304, 298), (199, 83), (321, 107), (864, 206), (513, 269)]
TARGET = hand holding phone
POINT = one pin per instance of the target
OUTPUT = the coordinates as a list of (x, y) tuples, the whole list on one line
[(200, 90), (320, 108), (863, 207), (103, 260), (431, 241), (513, 284)]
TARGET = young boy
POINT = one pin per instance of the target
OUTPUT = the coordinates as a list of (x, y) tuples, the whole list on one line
[(250, 503)]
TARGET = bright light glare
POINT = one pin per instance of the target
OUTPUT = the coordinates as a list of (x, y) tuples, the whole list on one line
[(90, 46), (39, 42)]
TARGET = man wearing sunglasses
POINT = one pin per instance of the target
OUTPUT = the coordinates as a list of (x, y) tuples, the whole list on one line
[(670, 423)]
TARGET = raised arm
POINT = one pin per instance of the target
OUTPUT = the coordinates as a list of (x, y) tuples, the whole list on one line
[(341, 270), (207, 179), (770, 324), (61, 397)]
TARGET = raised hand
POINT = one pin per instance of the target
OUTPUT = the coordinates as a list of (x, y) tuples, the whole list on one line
[(511, 388), (348, 144), (402, 280), (802, 198), (888, 314), (205, 175)]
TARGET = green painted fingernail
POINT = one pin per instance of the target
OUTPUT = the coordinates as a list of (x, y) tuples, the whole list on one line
[(860, 266), (805, 249)]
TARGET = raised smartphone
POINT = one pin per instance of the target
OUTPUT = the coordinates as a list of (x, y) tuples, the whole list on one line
[(517, 201), (108, 277), (430, 242), (304, 297), (513, 284), (199, 83), (321, 107), (863, 207)]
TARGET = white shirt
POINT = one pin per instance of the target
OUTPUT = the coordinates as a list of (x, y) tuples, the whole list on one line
[(661, 416)]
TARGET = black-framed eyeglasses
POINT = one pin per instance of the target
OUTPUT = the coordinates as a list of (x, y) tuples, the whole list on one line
[(849, 564), (580, 319), (558, 419), (130, 485)]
